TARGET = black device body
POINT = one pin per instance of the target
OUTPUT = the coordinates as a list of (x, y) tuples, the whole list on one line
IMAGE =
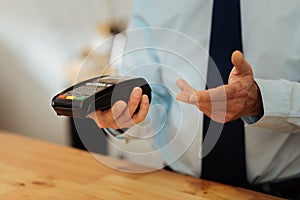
[(98, 93)]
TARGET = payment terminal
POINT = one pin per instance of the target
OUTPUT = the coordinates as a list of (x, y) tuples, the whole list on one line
[(97, 93)]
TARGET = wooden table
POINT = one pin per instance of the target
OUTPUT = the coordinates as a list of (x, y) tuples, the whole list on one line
[(31, 169)]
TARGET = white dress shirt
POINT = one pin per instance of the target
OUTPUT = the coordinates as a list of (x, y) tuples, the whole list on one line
[(271, 44)]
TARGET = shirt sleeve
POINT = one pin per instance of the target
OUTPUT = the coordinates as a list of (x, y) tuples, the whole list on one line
[(281, 103), (140, 59)]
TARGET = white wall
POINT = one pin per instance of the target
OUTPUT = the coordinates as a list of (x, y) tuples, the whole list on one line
[(38, 38)]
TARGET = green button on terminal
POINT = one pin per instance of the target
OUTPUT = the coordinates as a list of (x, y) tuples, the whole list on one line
[(80, 98)]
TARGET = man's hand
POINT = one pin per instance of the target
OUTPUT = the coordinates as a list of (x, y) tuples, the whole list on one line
[(122, 115), (240, 97)]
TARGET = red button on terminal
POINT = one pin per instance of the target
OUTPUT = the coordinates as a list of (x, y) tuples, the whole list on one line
[(62, 96)]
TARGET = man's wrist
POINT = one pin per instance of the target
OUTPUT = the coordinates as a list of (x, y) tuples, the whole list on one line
[(259, 104), (255, 106)]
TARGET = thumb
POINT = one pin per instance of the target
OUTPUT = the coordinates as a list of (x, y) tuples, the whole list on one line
[(241, 66)]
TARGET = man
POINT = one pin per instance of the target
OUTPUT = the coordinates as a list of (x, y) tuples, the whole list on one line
[(263, 87)]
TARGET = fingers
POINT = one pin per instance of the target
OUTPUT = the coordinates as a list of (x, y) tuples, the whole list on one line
[(184, 86), (191, 96), (187, 94), (144, 108), (123, 115), (117, 110), (184, 97), (133, 103), (241, 66), (213, 102), (226, 102), (107, 118), (125, 120), (134, 100), (141, 115), (237, 58)]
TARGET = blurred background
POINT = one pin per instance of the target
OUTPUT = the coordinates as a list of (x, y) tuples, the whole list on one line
[(41, 45)]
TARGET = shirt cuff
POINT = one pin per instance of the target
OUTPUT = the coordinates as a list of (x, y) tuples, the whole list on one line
[(250, 119), (115, 133), (275, 100)]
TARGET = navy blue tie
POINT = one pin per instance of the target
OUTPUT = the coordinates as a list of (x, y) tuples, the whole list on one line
[(226, 162)]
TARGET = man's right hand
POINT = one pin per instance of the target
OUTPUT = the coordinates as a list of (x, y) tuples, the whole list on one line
[(123, 115)]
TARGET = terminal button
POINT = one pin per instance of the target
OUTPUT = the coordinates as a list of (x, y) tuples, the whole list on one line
[(62, 96), (70, 97), (80, 98)]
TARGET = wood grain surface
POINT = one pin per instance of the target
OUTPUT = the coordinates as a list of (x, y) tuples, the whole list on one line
[(32, 169)]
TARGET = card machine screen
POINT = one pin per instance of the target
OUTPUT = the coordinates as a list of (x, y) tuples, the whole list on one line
[(98, 93)]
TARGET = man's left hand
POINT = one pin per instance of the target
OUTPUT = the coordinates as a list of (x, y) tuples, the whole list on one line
[(240, 97)]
